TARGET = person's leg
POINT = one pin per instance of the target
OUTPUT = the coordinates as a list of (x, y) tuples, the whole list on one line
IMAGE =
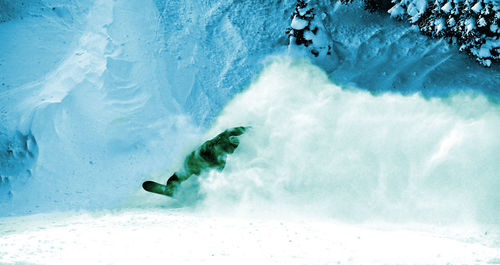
[(173, 180), (172, 183)]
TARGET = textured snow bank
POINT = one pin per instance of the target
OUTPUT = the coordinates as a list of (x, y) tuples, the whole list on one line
[(160, 237), (110, 89), (100, 116), (473, 25), (380, 54), (214, 48)]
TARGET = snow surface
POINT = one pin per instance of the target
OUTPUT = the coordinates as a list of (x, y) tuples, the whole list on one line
[(421, 14), (386, 55), (156, 236)]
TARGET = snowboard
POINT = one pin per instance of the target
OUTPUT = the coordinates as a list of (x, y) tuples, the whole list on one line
[(157, 188)]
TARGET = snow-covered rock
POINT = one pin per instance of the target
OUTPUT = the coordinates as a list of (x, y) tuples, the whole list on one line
[(477, 7), (298, 23), (447, 7)]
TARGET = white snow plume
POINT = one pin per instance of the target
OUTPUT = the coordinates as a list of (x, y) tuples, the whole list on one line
[(317, 148)]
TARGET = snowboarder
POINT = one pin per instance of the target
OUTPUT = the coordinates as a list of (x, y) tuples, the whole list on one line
[(211, 154)]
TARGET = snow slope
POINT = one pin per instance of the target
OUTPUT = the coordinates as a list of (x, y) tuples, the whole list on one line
[(97, 113), (384, 55), (116, 92), (97, 96), (111, 91), (156, 236)]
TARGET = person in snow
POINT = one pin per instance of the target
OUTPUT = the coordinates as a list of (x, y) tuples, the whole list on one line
[(210, 155)]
